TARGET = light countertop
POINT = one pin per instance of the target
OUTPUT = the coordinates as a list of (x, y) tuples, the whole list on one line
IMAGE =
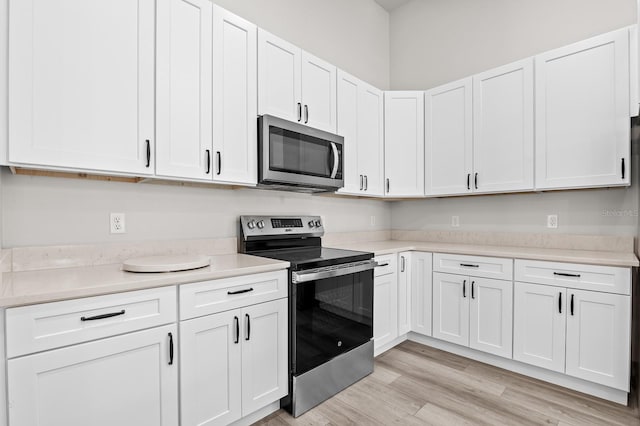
[(606, 258), (49, 285)]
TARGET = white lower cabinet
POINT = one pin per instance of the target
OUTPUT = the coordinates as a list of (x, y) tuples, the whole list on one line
[(404, 293), (421, 292), (127, 380), (385, 302), (233, 363), (474, 312), (594, 346)]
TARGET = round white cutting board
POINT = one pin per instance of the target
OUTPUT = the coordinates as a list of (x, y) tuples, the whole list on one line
[(172, 263)]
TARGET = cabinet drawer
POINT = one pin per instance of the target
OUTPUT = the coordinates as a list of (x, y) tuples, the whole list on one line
[(475, 266), (607, 279), (388, 264), (210, 297), (46, 326)]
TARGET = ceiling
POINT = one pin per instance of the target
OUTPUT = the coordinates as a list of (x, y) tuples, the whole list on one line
[(389, 5)]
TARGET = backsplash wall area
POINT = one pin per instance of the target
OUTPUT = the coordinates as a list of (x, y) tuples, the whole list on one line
[(55, 211)]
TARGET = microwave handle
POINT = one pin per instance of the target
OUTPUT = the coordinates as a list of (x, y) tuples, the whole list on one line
[(336, 160)]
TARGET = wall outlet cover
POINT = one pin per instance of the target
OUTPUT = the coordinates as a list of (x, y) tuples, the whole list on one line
[(117, 223), (552, 221), (455, 221)]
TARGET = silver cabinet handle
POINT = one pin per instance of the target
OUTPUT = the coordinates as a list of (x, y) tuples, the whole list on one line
[(402, 263), (336, 160), (299, 112), (306, 114), (366, 183), (361, 183)]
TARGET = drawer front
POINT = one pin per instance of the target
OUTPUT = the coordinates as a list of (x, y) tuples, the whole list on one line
[(388, 264), (474, 266), (607, 279), (46, 326), (210, 297)]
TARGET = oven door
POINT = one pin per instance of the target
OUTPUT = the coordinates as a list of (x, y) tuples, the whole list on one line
[(293, 154), (331, 316)]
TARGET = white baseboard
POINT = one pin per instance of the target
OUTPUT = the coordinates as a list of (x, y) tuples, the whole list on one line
[(258, 415), (382, 349), (594, 389)]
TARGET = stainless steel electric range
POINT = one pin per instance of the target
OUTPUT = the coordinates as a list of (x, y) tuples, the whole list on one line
[(330, 306)]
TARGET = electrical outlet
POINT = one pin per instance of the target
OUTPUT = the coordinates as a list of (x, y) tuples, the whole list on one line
[(116, 220), (455, 221), (373, 221), (552, 221)]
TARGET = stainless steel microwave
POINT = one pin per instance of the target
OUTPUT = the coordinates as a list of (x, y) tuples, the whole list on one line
[(295, 157)]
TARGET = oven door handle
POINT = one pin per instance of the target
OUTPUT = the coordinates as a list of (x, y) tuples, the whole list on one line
[(322, 273), (336, 160)]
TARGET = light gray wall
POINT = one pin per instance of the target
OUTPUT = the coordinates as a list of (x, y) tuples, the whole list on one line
[(438, 41), (53, 211), (352, 34)]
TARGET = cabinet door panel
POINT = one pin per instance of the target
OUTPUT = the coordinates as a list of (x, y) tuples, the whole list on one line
[(421, 292), (539, 325), (404, 293), (234, 99), (449, 139), (265, 354), (210, 370), (184, 56), (279, 86), (124, 380), (404, 143), (347, 126), (491, 316), (318, 93), (385, 309), (503, 128), (370, 138), (598, 338), (451, 295), (81, 75), (582, 113)]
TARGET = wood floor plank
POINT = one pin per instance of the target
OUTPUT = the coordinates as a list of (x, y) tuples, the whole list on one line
[(416, 385)]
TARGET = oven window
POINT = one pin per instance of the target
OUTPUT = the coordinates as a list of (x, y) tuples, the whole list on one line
[(293, 152), (332, 316)]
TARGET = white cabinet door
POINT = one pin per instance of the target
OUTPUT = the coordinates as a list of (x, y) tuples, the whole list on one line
[(598, 338), (184, 55), (371, 139), (347, 127), (265, 354), (385, 309), (582, 114), (404, 143), (503, 128), (449, 139), (491, 316), (81, 75), (235, 152), (318, 93), (421, 292), (126, 380), (451, 308), (539, 320), (279, 72), (210, 369), (404, 292), (360, 122)]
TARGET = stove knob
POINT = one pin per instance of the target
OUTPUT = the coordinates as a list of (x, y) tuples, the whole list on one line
[(251, 224), (311, 224), (318, 223), (261, 224)]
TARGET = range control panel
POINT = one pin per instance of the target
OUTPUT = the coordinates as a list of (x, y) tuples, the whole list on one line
[(274, 226)]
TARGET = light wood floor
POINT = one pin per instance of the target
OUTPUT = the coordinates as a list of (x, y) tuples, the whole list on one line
[(417, 385)]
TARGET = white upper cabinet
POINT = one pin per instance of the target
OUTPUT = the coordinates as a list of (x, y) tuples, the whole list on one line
[(449, 139), (184, 98), (582, 114), (503, 128), (360, 122), (81, 75), (234, 157), (295, 85), (279, 77), (404, 143)]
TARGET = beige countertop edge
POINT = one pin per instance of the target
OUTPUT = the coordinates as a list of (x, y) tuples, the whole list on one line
[(528, 253), (35, 287)]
